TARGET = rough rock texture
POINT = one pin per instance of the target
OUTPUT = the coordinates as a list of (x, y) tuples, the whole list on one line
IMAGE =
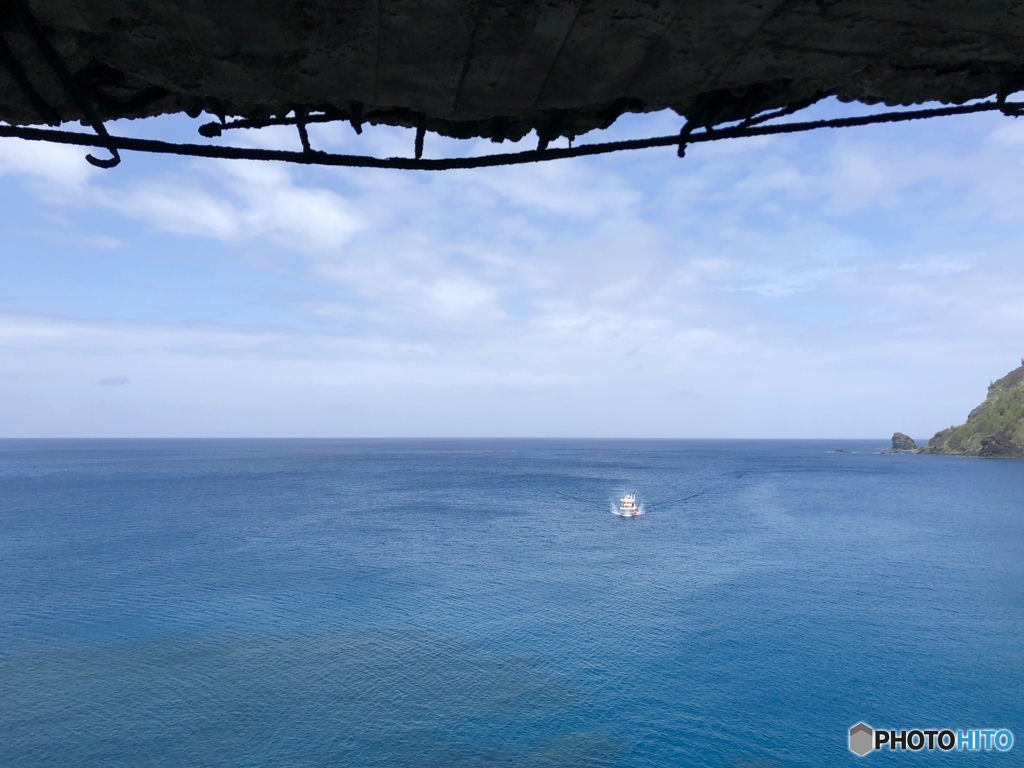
[(499, 68), (901, 442), (1002, 445), (994, 428)]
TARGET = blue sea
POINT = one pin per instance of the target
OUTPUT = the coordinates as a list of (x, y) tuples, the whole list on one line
[(471, 603)]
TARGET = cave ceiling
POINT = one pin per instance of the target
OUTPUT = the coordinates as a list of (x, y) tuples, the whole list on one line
[(492, 68)]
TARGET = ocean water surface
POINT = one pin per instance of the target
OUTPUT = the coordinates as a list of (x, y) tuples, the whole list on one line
[(466, 603)]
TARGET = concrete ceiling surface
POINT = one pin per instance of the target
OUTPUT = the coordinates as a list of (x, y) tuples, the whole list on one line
[(500, 68)]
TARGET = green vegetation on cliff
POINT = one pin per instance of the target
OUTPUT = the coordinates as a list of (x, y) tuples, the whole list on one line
[(994, 428)]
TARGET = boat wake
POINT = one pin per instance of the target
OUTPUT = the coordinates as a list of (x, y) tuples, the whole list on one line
[(636, 513)]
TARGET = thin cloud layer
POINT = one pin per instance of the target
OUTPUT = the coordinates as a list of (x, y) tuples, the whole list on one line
[(53, 167), (235, 202), (840, 284)]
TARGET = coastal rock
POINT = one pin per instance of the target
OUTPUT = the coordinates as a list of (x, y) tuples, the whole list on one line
[(901, 442), (1000, 445), (993, 429)]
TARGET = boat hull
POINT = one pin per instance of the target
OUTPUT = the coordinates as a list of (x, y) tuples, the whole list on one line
[(627, 506)]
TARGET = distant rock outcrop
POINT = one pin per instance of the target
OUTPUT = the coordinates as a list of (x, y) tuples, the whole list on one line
[(901, 442), (994, 429)]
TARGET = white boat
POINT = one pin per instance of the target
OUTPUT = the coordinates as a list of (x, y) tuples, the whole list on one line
[(628, 507)]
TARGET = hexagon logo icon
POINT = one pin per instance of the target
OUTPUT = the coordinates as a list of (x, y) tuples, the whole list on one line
[(862, 738)]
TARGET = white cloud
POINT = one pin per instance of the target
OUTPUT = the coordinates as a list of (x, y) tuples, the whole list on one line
[(770, 181), (240, 201), (299, 218), (567, 188), (177, 208), (858, 178), (781, 279), (456, 296), (1009, 134), (790, 280), (58, 166), (939, 265)]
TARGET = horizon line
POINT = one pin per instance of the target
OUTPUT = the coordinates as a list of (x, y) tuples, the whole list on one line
[(435, 437)]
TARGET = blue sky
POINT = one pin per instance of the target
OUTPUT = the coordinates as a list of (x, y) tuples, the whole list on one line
[(836, 284)]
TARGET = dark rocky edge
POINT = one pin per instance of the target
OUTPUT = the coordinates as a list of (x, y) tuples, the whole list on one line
[(497, 70), (994, 429)]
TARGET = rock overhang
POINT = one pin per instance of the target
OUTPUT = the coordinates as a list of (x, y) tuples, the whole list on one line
[(501, 69)]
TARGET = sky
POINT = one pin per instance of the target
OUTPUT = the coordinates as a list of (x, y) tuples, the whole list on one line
[(839, 284)]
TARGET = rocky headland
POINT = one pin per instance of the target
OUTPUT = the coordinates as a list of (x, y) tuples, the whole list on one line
[(995, 428)]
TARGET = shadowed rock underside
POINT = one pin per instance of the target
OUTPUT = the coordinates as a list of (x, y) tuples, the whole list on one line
[(500, 69)]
